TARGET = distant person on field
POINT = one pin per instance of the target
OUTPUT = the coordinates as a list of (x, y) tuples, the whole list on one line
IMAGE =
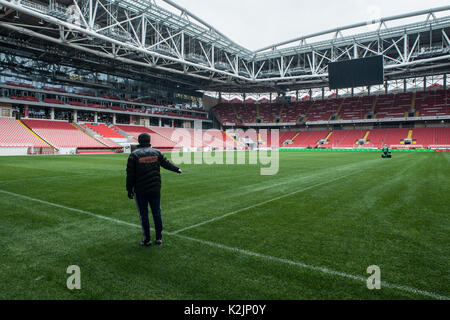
[(386, 153), (144, 185)]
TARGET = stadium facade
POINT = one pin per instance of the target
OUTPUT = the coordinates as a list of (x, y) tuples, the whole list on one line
[(146, 66)]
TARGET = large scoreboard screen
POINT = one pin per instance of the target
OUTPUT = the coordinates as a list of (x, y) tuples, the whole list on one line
[(356, 73)]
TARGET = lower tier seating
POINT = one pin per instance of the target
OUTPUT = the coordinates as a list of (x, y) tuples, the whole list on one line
[(62, 134), (104, 130), (157, 140), (13, 134)]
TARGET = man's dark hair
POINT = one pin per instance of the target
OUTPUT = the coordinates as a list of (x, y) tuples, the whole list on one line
[(144, 140)]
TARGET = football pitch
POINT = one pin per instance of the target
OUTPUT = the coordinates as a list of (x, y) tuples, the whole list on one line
[(309, 232)]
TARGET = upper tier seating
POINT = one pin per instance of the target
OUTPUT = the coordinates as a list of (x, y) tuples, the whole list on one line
[(62, 134), (96, 106), (433, 103), (54, 101), (268, 113), (429, 103), (322, 110), (356, 108), (106, 96), (85, 93), (225, 113), (393, 105), (13, 133), (77, 104), (19, 84), (84, 99), (61, 90), (25, 98)]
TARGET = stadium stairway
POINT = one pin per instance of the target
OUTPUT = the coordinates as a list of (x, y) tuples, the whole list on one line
[(410, 137), (94, 135), (236, 114), (37, 135), (366, 138), (103, 130), (327, 139), (158, 141), (345, 138), (410, 134), (87, 130), (189, 136), (166, 133), (294, 137), (234, 140), (264, 143), (287, 139), (129, 137), (338, 112), (280, 114), (374, 105), (311, 106)]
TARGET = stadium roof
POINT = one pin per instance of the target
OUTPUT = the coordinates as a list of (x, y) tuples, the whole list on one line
[(171, 42)]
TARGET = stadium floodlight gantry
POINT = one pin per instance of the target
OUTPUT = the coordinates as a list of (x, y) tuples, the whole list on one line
[(179, 46)]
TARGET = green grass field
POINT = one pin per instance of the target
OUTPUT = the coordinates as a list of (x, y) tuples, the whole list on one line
[(309, 232)]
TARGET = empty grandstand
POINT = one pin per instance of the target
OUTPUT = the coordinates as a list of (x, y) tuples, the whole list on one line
[(288, 184), (84, 103)]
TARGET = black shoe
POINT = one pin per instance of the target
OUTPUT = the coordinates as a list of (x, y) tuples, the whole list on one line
[(145, 243), (158, 242)]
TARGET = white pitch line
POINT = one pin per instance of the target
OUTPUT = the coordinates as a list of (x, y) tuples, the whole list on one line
[(242, 251), (69, 208), (286, 195), (316, 268)]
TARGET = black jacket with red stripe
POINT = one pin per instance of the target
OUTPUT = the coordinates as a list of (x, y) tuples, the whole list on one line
[(143, 170)]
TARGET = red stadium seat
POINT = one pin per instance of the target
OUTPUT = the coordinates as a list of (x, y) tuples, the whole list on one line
[(104, 131), (13, 133), (62, 134)]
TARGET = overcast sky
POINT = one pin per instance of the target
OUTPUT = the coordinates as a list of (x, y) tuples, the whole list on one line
[(258, 23)]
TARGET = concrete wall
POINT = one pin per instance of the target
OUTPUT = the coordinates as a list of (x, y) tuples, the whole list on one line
[(14, 151)]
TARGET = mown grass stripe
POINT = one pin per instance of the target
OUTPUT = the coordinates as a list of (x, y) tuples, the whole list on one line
[(241, 251), (261, 203)]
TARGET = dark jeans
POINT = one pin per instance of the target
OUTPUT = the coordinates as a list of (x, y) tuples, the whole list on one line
[(142, 202)]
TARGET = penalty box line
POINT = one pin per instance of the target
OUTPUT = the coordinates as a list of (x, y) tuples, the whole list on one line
[(240, 251)]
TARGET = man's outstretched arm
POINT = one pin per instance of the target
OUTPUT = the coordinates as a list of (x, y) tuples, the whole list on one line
[(166, 164)]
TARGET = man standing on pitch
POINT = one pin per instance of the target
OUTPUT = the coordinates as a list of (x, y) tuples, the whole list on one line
[(144, 184)]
